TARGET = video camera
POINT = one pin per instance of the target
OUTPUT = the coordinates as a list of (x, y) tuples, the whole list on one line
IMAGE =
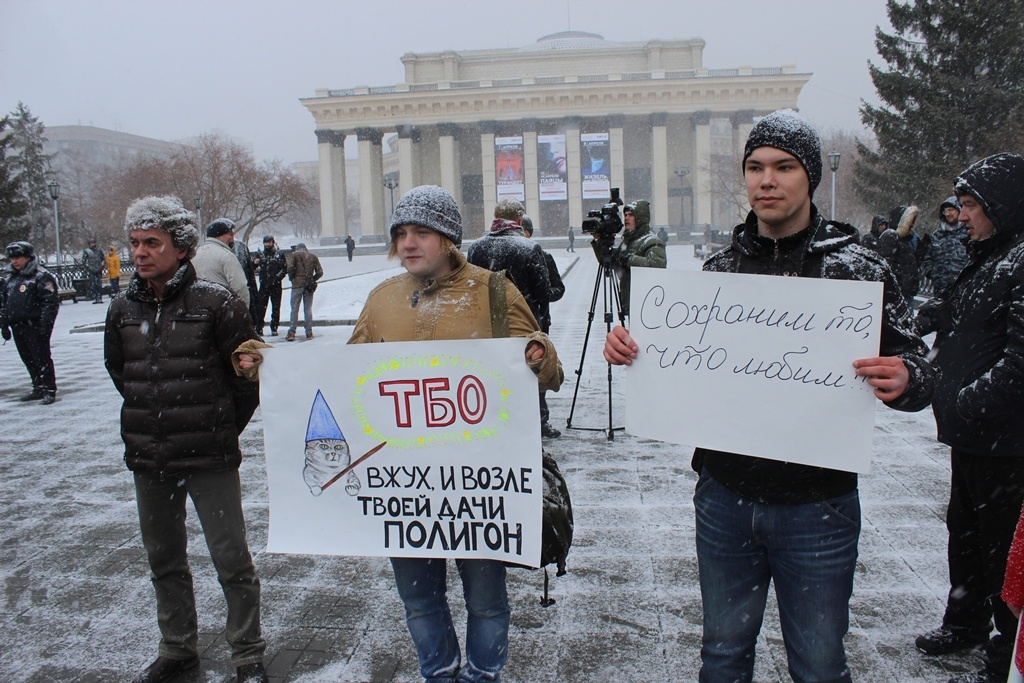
[(604, 223)]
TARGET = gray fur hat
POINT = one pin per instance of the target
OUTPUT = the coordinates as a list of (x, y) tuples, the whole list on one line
[(786, 130), (168, 214), (432, 207)]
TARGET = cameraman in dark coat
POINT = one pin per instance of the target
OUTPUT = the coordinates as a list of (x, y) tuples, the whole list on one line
[(640, 248), (979, 349), (167, 347), (28, 311)]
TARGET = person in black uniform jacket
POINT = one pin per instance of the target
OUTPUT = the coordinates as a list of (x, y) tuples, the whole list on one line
[(29, 311)]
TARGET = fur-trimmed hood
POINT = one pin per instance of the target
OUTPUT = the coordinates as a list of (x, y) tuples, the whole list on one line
[(902, 219)]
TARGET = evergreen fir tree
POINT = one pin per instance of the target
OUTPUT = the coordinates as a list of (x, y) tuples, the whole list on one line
[(32, 168), (13, 206), (952, 93)]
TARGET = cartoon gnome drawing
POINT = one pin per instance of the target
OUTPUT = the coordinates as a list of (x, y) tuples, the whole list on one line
[(327, 451)]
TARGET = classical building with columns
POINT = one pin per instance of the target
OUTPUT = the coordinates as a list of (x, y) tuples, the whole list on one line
[(555, 124)]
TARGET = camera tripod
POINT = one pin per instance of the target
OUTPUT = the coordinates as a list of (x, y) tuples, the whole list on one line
[(606, 282)]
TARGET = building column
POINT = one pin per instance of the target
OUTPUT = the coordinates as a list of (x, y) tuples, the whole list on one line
[(531, 174), (659, 168), (451, 172), (371, 181), (742, 122), (575, 175), (702, 166), (617, 150), (490, 181), (408, 166), (333, 199)]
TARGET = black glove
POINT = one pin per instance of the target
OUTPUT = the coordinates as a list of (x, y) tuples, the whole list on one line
[(624, 259), (311, 286), (6, 332)]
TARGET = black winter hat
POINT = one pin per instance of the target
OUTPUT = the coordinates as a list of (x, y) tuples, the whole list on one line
[(221, 226), (786, 130), (15, 249), (432, 207)]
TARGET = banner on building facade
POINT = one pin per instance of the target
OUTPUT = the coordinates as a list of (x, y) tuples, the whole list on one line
[(552, 173), (754, 364), (404, 449), (595, 163), (508, 168)]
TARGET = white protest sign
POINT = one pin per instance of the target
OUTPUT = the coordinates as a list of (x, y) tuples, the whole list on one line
[(451, 429), (754, 364)]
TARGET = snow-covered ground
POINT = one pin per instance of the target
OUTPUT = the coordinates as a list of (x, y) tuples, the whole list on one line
[(78, 605)]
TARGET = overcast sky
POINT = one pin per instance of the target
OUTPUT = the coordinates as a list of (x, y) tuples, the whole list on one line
[(172, 70)]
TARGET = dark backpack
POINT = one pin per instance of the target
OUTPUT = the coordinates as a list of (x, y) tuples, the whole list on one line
[(557, 522)]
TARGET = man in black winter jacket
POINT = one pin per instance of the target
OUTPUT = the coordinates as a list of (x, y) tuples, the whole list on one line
[(979, 349), (273, 268), (167, 347), (28, 311), (763, 521), (506, 248)]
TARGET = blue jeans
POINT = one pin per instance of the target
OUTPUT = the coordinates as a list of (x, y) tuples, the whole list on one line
[(422, 585), (808, 550), (95, 285)]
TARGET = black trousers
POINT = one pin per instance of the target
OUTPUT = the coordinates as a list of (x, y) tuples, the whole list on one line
[(33, 342), (985, 500), (269, 294)]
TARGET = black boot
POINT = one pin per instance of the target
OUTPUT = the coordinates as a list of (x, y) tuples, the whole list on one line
[(165, 669), (252, 673), (944, 640), (34, 396)]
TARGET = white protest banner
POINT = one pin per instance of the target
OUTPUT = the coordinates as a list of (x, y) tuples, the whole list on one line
[(451, 432), (754, 364)]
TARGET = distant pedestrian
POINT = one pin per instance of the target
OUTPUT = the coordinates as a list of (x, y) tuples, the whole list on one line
[(572, 240), (663, 235), (28, 311), (979, 337), (272, 268), (215, 260), (304, 270), (114, 270), (350, 246), (94, 263), (167, 347)]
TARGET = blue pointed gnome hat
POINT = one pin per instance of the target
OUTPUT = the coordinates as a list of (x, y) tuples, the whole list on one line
[(322, 424)]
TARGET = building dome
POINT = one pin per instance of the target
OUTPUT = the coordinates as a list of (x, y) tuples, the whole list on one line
[(568, 40)]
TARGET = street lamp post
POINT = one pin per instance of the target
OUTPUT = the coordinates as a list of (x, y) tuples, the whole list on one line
[(681, 172), (391, 183), (55, 193), (199, 212), (833, 163)]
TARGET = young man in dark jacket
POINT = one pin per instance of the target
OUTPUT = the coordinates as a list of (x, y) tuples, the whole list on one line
[(167, 347), (28, 311), (761, 521), (506, 248), (979, 349)]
